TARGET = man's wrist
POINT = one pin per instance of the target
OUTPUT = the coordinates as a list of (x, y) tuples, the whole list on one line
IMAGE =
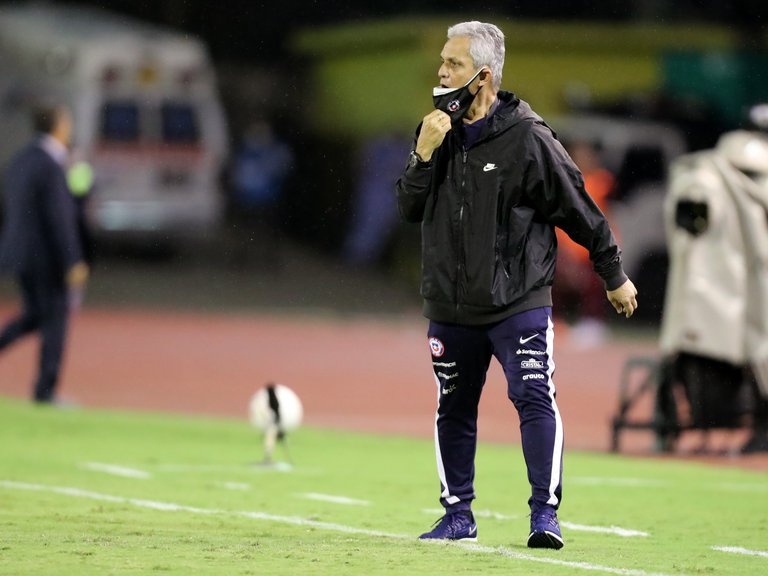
[(416, 160)]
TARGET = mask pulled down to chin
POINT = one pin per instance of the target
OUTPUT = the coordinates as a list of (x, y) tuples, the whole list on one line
[(455, 101)]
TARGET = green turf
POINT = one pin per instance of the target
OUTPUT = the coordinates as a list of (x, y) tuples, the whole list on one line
[(112, 524)]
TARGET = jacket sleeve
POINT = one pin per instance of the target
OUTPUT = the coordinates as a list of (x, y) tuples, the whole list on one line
[(413, 188), (555, 188), (60, 214)]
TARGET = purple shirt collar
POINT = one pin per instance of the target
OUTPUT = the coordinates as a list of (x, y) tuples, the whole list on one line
[(54, 148)]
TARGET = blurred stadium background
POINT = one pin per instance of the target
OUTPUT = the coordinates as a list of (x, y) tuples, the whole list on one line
[(342, 85), (327, 94)]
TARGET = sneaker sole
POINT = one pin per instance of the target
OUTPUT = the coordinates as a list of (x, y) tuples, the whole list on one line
[(545, 540)]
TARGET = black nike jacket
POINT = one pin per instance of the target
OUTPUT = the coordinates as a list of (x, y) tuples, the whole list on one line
[(488, 215)]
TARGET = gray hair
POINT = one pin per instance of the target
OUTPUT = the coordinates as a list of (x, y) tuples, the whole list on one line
[(486, 46)]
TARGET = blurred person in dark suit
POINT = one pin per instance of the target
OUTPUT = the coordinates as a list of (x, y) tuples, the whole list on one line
[(40, 243)]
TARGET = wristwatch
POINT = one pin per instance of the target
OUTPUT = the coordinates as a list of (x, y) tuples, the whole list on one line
[(415, 160)]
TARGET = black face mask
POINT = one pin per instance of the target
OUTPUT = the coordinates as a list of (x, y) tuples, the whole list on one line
[(455, 101)]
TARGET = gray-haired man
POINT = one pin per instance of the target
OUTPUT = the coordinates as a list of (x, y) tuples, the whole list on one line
[(489, 182)]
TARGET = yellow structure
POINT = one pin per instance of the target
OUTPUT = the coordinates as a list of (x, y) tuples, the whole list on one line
[(377, 76)]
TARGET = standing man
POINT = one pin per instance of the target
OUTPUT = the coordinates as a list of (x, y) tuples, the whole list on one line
[(489, 182), (40, 243)]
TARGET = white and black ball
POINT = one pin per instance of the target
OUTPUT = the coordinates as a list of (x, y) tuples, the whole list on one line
[(275, 407)]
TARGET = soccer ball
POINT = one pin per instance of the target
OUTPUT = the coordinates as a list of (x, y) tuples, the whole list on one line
[(275, 408)]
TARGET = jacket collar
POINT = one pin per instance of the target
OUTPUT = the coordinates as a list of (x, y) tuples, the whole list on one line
[(511, 110)]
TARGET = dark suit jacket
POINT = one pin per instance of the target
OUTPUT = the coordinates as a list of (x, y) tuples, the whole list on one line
[(39, 234)]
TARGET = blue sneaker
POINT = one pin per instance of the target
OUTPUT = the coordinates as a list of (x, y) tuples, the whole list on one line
[(454, 526), (545, 529)]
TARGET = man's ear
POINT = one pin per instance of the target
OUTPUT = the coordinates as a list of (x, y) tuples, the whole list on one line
[(485, 76)]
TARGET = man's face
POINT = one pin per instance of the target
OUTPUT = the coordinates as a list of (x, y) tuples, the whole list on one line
[(63, 129), (457, 67)]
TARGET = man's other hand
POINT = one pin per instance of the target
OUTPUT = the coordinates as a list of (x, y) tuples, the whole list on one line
[(624, 298), (77, 275)]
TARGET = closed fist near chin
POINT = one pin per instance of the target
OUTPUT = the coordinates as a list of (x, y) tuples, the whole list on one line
[(434, 127)]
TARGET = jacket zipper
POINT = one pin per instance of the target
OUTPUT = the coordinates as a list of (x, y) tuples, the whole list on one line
[(460, 252)]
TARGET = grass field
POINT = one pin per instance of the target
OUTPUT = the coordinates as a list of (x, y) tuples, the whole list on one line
[(98, 492)]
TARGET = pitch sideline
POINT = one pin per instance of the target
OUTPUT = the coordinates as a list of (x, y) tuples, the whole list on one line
[(129, 472), (739, 550), (173, 507), (116, 470), (344, 500)]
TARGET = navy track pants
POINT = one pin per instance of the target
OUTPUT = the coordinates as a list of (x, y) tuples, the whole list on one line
[(461, 356)]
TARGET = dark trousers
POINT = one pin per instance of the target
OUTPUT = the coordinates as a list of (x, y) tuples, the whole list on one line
[(44, 308), (461, 356)]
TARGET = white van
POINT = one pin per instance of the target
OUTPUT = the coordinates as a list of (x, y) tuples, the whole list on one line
[(147, 114)]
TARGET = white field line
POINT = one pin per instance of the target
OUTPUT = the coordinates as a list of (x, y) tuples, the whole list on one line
[(583, 565), (333, 499), (171, 507), (624, 532), (116, 470), (256, 467), (236, 485), (737, 550)]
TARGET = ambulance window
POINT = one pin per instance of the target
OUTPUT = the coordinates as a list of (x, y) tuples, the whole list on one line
[(179, 123), (120, 121)]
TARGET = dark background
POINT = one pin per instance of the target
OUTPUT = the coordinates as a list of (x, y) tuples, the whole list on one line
[(260, 76), (243, 30)]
